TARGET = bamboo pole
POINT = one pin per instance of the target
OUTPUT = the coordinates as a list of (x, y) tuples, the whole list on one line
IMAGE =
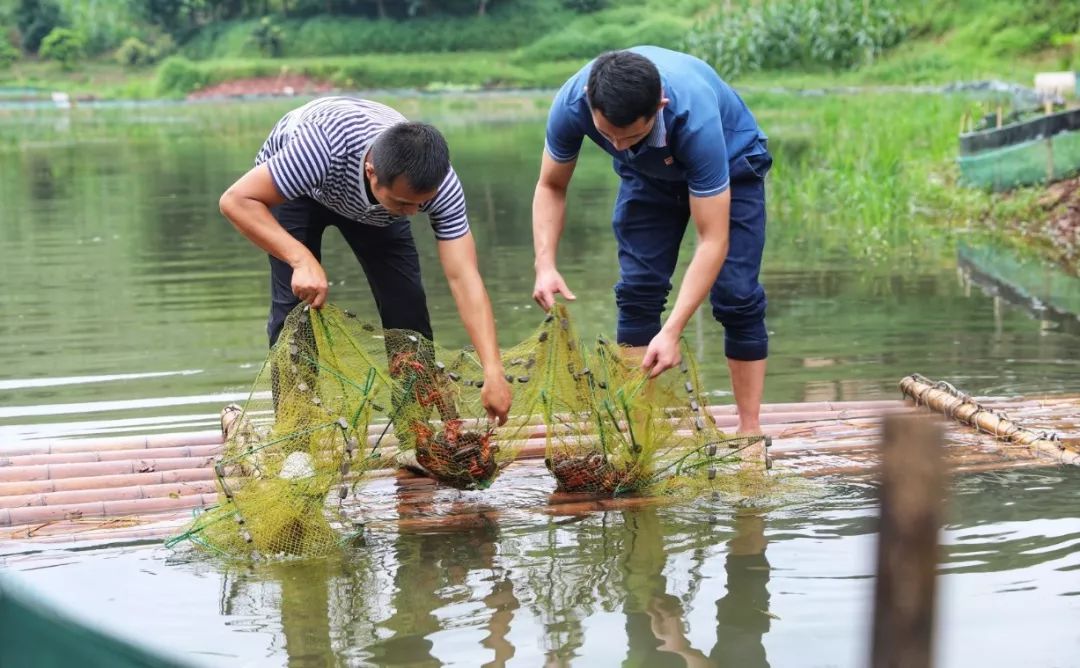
[(111, 494), (27, 515), (8, 489), (945, 399)]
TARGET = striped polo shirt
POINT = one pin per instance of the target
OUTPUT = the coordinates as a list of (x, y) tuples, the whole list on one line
[(318, 151)]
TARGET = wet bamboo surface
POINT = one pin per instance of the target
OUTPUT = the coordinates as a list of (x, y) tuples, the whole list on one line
[(145, 488)]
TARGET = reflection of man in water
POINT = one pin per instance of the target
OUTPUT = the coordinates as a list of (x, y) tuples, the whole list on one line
[(428, 566), (655, 624), (742, 614), (655, 619)]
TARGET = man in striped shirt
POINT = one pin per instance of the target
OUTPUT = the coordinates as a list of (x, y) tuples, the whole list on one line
[(361, 167)]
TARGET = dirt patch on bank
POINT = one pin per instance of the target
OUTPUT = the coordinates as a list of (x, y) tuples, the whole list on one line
[(1061, 225), (279, 86)]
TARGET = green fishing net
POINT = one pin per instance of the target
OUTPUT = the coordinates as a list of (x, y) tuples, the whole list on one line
[(338, 397)]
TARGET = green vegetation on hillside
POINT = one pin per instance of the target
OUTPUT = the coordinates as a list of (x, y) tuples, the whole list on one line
[(525, 43)]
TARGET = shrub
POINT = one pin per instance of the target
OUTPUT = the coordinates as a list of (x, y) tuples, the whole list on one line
[(8, 53), (134, 53), (178, 76), (63, 45), (269, 38)]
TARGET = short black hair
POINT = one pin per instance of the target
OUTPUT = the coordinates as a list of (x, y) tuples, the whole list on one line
[(624, 86), (416, 151)]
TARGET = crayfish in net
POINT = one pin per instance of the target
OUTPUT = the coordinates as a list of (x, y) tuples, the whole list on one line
[(460, 459), (591, 473)]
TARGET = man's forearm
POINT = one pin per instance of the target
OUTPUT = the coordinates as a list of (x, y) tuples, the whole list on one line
[(253, 219), (700, 276), (474, 306), (549, 215)]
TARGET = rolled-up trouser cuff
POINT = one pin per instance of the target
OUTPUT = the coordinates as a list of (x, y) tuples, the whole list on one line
[(636, 336), (747, 343)]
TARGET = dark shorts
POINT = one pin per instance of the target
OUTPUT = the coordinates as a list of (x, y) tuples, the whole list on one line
[(650, 220), (386, 254)]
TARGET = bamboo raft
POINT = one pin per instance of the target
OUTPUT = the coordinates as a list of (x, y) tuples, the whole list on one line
[(132, 489)]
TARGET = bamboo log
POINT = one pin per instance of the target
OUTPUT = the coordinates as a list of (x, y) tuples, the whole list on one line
[(110, 494), (8, 489), (54, 471), (145, 442), (16, 516), (962, 408), (82, 457)]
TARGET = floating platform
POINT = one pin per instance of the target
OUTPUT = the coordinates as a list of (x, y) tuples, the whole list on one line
[(131, 489)]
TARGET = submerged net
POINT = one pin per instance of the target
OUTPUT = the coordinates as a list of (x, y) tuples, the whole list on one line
[(612, 430), (337, 397)]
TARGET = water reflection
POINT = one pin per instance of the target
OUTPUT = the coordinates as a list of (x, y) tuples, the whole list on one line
[(428, 598), (662, 586)]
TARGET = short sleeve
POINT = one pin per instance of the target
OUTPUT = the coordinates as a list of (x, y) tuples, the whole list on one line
[(701, 148), (564, 133), (447, 211), (301, 165)]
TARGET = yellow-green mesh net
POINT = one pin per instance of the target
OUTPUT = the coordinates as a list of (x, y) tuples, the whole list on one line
[(337, 397)]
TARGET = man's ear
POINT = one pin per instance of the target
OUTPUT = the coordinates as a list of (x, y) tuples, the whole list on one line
[(369, 171)]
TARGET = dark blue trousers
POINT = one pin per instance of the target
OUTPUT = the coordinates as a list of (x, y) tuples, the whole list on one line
[(387, 255), (650, 220)]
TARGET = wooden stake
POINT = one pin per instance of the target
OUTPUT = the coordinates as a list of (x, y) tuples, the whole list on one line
[(912, 486)]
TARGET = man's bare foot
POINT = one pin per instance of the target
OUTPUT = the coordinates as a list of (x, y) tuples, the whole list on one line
[(753, 455)]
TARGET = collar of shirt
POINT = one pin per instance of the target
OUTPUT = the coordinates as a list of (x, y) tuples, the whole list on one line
[(658, 137)]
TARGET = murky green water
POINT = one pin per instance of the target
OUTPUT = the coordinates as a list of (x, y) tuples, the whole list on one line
[(678, 586), (131, 305)]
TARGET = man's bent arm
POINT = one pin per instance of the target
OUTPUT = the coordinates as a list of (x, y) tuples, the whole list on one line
[(247, 206), (712, 220), (458, 258), (549, 218)]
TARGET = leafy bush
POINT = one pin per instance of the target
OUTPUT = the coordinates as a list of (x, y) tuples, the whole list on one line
[(177, 76), (63, 45), (8, 53), (268, 37), (779, 34), (134, 53)]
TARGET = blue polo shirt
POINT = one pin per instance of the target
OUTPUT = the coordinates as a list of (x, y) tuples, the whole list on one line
[(704, 127)]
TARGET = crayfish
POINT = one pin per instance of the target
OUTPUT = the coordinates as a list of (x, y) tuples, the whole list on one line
[(460, 459), (588, 473)]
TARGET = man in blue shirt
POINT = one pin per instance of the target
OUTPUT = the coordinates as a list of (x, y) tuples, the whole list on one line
[(685, 145)]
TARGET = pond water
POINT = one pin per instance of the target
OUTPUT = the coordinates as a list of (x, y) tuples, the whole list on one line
[(131, 306)]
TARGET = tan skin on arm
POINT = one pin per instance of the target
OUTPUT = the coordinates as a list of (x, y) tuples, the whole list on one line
[(459, 261), (247, 206), (549, 218), (711, 218)]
